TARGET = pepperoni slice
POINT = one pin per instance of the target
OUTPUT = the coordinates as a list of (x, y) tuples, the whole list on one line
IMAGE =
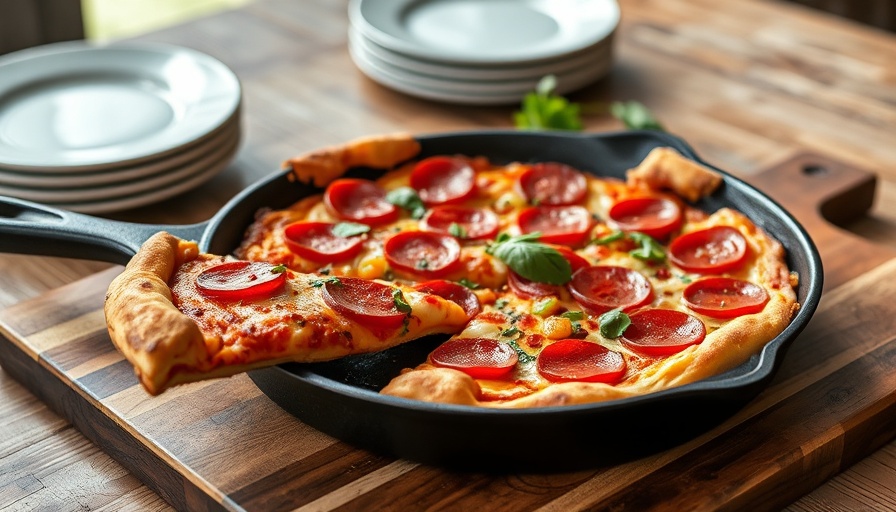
[(474, 223), (442, 179), (315, 241), (533, 289), (240, 280), (714, 250), (480, 358), (359, 201), (579, 360), (653, 216), (663, 332), (369, 303), (567, 225), (553, 184), (724, 297), (459, 294), (423, 253), (602, 288)]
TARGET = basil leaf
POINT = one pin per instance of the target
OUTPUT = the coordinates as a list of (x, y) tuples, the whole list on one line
[(457, 230), (613, 323), (544, 110), (650, 249), (573, 315), (531, 259), (400, 303), (279, 269), (407, 198), (635, 116), (347, 229)]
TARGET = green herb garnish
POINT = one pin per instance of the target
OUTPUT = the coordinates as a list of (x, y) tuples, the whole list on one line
[(613, 323), (501, 303), (650, 249), (544, 110), (635, 116), (467, 283), (400, 303), (278, 269), (347, 229), (543, 306), (407, 198), (317, 283), (422, 264), (457, 230), (533, 260), (522, 355), (575, 318), (606, 239), (685, 279), (511, 332)]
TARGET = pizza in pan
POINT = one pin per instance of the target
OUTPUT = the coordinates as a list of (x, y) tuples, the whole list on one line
[(554, 286)]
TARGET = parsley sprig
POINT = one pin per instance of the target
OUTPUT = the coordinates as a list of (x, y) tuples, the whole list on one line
[(529, 258), (544, 110)]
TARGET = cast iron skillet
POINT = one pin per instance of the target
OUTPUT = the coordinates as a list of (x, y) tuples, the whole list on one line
[(340, 397)]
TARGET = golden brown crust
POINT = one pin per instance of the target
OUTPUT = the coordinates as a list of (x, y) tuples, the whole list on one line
[(322, 166), (142, 320), (665, 169)]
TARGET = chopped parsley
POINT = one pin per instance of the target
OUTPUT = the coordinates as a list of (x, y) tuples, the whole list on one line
[(511, 332), (278, 269), (317, 283), (457, 230), (468, 284), (522, 355)]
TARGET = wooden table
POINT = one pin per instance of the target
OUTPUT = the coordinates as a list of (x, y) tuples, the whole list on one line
[(748, 83)]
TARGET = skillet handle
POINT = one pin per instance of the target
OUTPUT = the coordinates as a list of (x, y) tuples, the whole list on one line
[(31, 228)]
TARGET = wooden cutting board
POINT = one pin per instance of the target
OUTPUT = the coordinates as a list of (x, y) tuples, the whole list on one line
[(225, 445)]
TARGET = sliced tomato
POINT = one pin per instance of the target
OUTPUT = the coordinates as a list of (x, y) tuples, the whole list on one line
[(663, 332), (653, 216), (359, 201), (423, 253), (459, 294), (567, 225), (240, 280), (369, 303), (580, 360), (443, 179), (532, 289), (315, 241), (474, 223), (480, 358), (553, 184), (724, 297), (714, 250), (602, 288)]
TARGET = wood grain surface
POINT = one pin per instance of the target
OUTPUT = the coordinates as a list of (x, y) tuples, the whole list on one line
[(223, 444), (748, 83)]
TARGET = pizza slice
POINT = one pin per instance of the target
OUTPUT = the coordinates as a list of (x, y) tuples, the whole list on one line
[(180, 316)]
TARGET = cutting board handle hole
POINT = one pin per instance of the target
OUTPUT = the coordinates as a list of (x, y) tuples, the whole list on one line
[(815, 169)]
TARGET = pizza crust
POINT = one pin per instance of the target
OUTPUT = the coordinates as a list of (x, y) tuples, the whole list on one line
[(141, 318), (322, 166), (665, 169)]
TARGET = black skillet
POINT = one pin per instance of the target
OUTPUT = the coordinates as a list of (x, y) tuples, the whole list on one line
[(340, 397)]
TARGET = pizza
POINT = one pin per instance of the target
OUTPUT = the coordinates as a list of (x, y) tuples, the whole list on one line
[(551, 285)]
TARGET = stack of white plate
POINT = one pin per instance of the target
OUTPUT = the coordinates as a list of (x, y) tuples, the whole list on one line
[(97, 129), (481, 52)]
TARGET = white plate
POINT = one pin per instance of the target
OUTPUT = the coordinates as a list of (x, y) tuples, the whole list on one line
[(73, 105), (119, 175), (137, 200), (566, 64), (485, 31), (470, 93), (140, 186)]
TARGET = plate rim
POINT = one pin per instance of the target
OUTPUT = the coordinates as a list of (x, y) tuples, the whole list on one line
[(227, 99)]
